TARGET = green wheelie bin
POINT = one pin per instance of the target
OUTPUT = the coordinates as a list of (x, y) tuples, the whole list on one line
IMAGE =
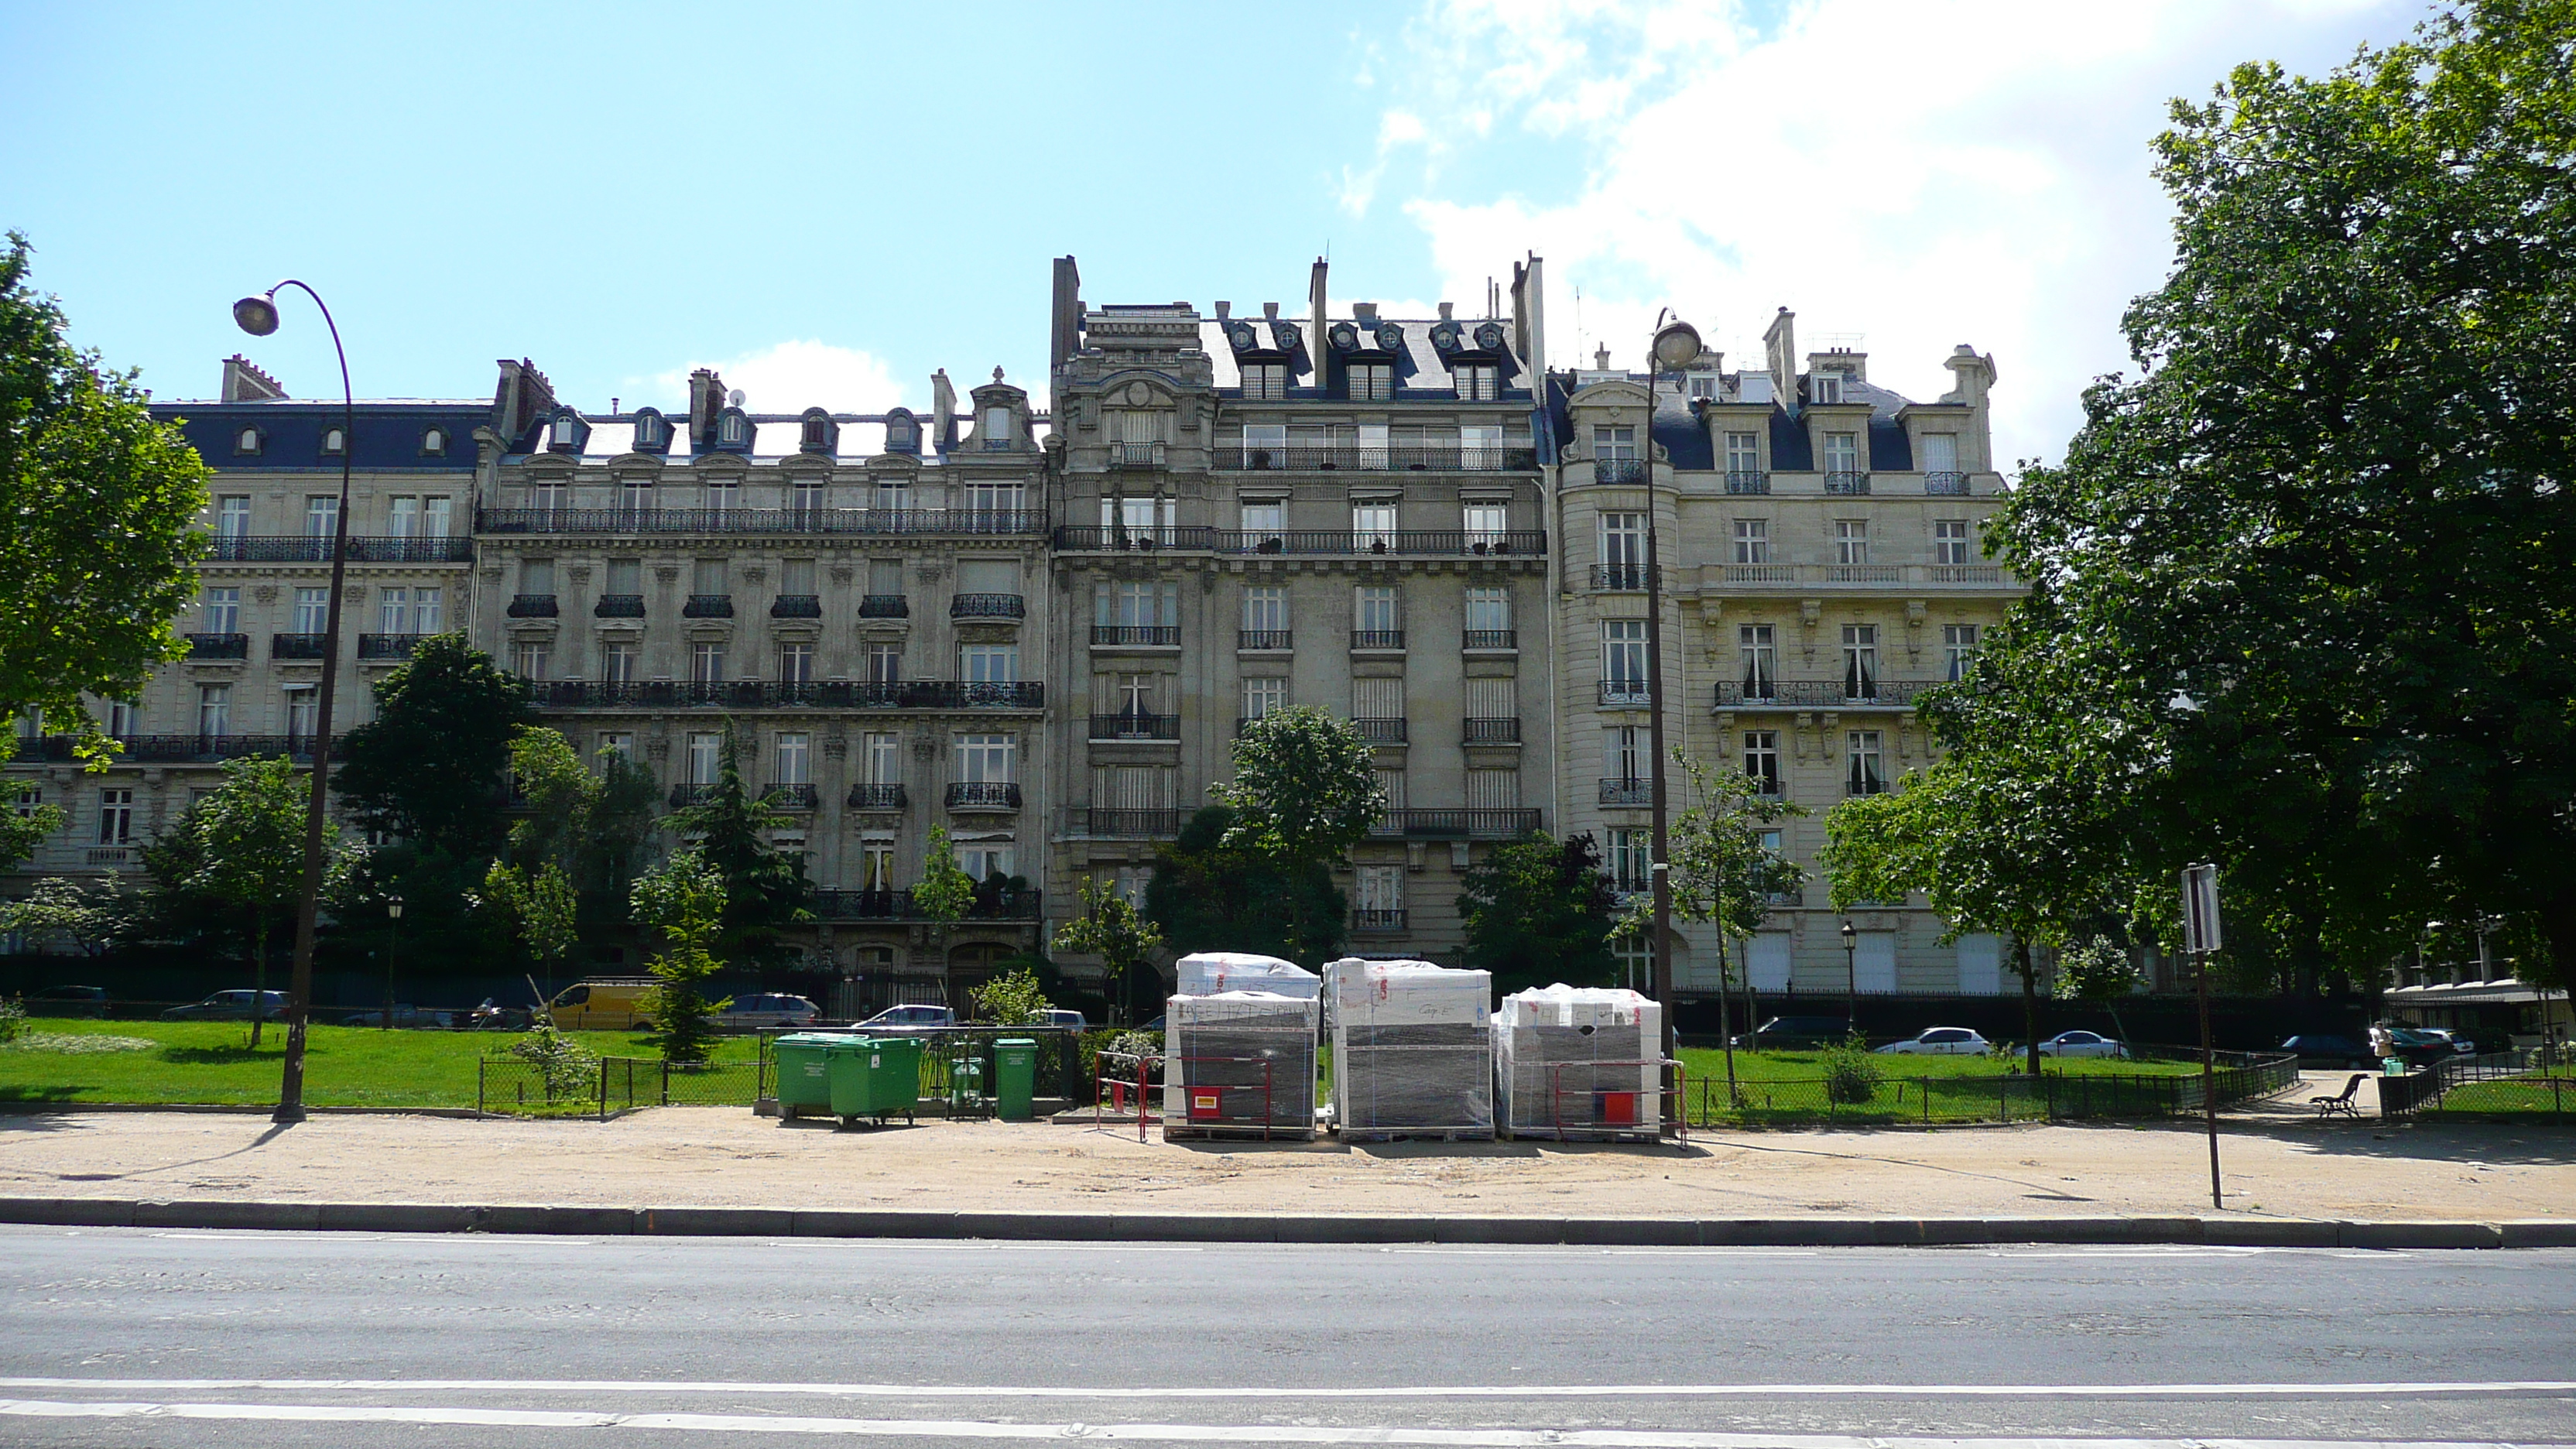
[(805, 1074), (1015, 1073), (876, 1077)]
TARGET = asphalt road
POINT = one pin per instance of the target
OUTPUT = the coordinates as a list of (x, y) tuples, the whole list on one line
[(120, 1337)]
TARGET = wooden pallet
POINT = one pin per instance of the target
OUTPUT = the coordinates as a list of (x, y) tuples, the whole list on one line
[(1203, 1132), (1415, 1134)]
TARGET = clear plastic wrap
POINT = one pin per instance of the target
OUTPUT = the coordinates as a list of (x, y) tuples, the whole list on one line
[(1216, 1049), (1553, 1048), (1207, 973), (1412, 1048)]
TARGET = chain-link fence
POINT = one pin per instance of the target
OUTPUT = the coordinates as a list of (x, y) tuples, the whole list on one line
[(513, 1087)]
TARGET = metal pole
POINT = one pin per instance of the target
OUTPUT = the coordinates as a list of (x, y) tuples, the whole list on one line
[(2208, 1092), (299, 1004), (1660, 871)]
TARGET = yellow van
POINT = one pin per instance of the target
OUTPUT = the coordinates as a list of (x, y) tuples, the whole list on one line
[(602, 1003)]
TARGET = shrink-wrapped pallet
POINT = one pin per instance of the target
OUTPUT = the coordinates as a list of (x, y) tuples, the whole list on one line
[(1239, 1061), (1206, 973), (1579, 1061), (1413, 1049)]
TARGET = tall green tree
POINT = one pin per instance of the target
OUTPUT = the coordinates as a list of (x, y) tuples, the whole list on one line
[(1304, 792), (579, 834), (1723, 871), (433, 765), (1108, 926), (684, 900), (95, 915), (1539, 911), (97, 552), (1206, 895), (243, 847), (946, 892), (766, 890)]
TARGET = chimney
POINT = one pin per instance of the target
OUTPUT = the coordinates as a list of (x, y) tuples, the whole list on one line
[(1446, 308), (943, 407), (1224, 310), (1780, 348), (1065, 337), (1269, 311), (1529, 317), (244, 382), (706, 399), (523, 397), (1365, 313), (1315, 293)]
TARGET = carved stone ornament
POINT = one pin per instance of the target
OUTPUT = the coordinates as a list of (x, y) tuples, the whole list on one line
[(930, 570), (754, 574), (667, 573), (579, 573), (925, 745), (1138, 394), (842, 574), (264, 594)]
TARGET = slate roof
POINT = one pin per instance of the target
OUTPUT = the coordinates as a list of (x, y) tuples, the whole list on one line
[(388, 433)]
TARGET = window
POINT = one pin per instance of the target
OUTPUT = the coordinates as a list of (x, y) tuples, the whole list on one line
[(794, 761), (617, 662), (321, 516), (620, 743), (708, 577), (1478, 381), (393, 611), (428, 611), (434, 441), (984, 862), (1701, 384), (1143, 516), (1614, 443), (1373, 524), (1626, 753), (1760, 674), (1842, 452), (1824, 387), (214, 710), (733, 428), (549, 496), (222, 611), (1263, 697), (1940, 453), (1493, 699), (1373, 445), (885, 663), (1860, 661), (1371, 381), (876, 874), (232, 517), (985, 759), (796, 664), (806, 498), (312, 610), (537, 577), (123, 715), (1264, 519), (1377, 698), (1865, 776), (707, 661), (1623, 551), (894, 494), (334, 441), (402, 517), (1265, 609), (1381, 894), (1762, 759), (1265, 382), (1623, 661), (881, 756), (1489, 610), (997, 427), (247, 441), (1959, 642), (1137, 604), (1628, 858), (529, 658), (1950, 541), (1390, 786), (1480, 445), (1129, 881), (1487, 523), (996, 503), (1743, 452), (1753, 540), (1129, 696), (626, 577), (706, 755), (31, 798), (564, 432), (1376, 609), (991, 664), (1851, 540), (303, 711), (115, 816)]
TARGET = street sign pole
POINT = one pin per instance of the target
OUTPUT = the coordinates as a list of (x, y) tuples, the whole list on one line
[(2200, 937)]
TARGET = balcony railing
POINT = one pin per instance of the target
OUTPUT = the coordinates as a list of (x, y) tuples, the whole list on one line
[(1747, 480), (1946, 484), (1625, 693), (708, 606), (798, 797), (1823, 694), (796, 606), (1328, 543), (1377, 639), (1963, 573), (1618, 470), (1326, 458), (1839, 480), (877, 797), (686, 794), (758, 520), (983, 795), (1137, 455), (1105, 727), (111, 857), (1446, 824), (244, 548), (1474, 639), (1861, 573), (1122, 823), (1493, 731), (1374, 920), (218, 646), (772, 694), (1270, 639), (885, 606), (1132, 636), (531, 606), (1624, 791), (296, 646), (618, 606), (178, 749), (1381, 731), (835, 905), (1868, 575), (1618, 578), (388, 646), (988, 606)]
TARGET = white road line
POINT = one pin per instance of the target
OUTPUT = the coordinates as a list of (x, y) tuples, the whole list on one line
[(1285, 1391), (1156, 1433)]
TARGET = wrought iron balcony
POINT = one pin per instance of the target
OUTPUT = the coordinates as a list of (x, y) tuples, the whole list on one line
[(1351, 458), (1845, 482), (245, 548), (1822, 694), (218, 646), (997, 905), (1618, 470), (791, 797), (296, 646), (1377, 920), (618, 606), (840, 521), (1265, 639), (877, 797), (1747, 480), (796, 606), (983, 795), (988, 606), (1448, 824), (531, 606), (1377, 639), (1108, 727), (388, 646), (1470, 640), (885, 606), (1625, 694), (685, 794), (1137, 455), (1133, 636), (1493, 731), (1946, 484), (1320, 542), (1122, 823), (1619, 578), (206, 749), (772, 694), (708, 606), (1626, 791), (1380, 731)]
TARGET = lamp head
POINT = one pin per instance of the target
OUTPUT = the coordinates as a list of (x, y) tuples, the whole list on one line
[(393, 907), (1847, 933), (1676, 345), (257, 315)]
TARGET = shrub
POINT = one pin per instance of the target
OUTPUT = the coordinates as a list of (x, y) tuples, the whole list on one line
[(13, 1018), (1014, 999), (1852, 1076), (568, 1067)]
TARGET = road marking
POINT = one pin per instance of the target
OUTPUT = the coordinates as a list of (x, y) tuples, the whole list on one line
[(1159, 1433), (1284, 1391)]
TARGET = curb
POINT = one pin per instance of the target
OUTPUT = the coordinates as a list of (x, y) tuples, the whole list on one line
[(1818, 1232)]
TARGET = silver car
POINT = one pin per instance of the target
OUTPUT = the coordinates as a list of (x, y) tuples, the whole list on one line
[(1939, 1041), (2081, 1044), (761, 1009)]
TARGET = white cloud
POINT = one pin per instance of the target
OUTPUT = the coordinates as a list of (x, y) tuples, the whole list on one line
[(1922, 173), (791, 377)]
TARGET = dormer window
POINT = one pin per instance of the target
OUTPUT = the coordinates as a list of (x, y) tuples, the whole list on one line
[(733, 429), (1478, 381), (997, 427), (334, 440), (1372, 381), (1824, 387), (248, 442), (652, 431), (1701, 384), (433, 442), (1265, 381), (903, 432), (565, 434)]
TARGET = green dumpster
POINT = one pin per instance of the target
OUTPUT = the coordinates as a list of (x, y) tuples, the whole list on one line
[(877, 1077), (1015, 1073), (805, 1074)]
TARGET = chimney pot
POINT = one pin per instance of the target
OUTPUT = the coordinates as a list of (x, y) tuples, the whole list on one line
[(1224, 310), (1269, 311), (1446, 308)]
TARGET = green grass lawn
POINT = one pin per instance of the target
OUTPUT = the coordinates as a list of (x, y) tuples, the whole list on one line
[(194, 1062), (2541, 1096), (1777, 1066)]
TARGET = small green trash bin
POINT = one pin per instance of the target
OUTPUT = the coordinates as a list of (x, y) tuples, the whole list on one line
[(805, 1073), (1015, 1073), (877, 1077)]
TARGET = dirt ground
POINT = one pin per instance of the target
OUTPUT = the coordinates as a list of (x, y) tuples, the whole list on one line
[(681, 1156)]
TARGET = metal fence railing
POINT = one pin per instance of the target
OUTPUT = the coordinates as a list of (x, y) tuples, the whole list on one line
[(2519, 1083), (511, 1086), (2016, 1097)]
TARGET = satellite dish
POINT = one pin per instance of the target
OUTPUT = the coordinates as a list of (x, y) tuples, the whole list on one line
[(734, 397)]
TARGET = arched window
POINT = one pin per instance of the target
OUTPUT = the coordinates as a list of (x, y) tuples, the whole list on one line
[(732, 430), (434, 441), (814, 431), (564, 433), (333, 440), (903, 433), (248, 442)]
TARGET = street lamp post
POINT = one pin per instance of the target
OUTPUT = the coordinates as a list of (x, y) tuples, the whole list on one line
[(258, 317), (1674, 346), (393, 944), (1851, 977)]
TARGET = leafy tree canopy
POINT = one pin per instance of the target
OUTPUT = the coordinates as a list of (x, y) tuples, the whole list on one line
[(1538, 912), (1107, 926), (1304, 791), (946, 891), (431, 766), (685, 901), (1207, 895), (765, 888)]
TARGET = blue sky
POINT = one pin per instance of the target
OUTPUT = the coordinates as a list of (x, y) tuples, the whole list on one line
[(831, 200)]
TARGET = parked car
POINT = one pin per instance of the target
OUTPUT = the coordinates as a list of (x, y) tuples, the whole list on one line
[(2081, 1044), (231, 1006), (2320, 1050), (2459, 1043), (75, 1001), (2421, 1048), (602, 1003), (767, 1009), (1939, 1041), (405, 1014), (1062, 1017), (915, 1018), (1788, 1033)]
